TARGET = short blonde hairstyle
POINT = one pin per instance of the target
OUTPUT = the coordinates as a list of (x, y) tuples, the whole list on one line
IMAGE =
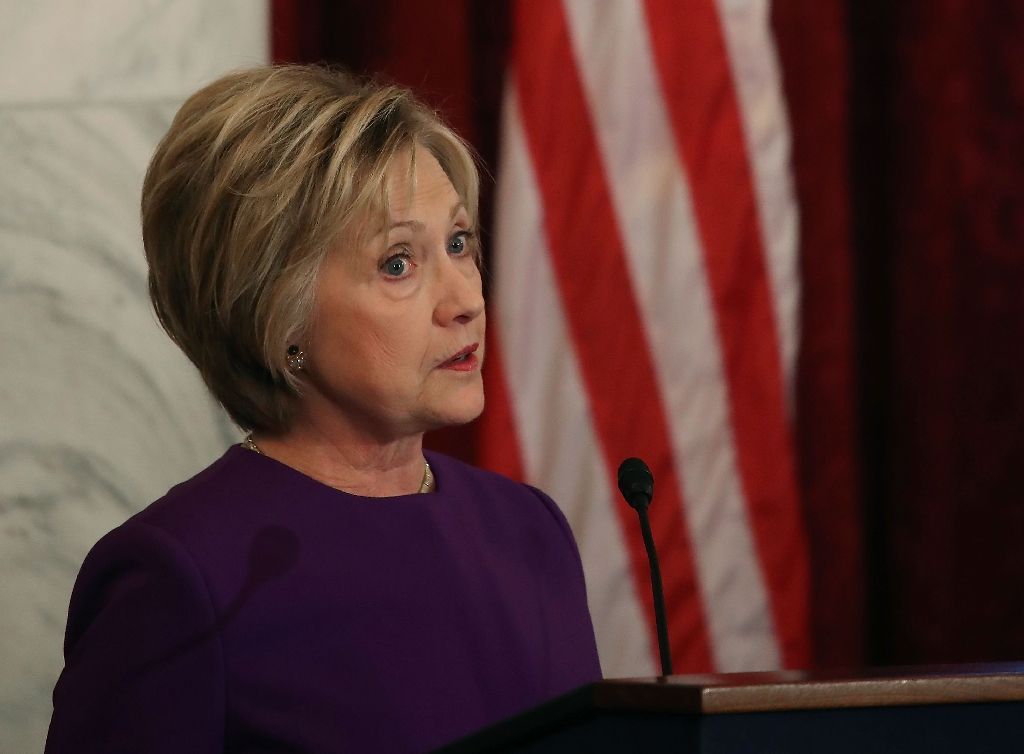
[(261, 173)]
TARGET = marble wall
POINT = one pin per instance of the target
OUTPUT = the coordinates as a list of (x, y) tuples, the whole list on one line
[(99, 413)]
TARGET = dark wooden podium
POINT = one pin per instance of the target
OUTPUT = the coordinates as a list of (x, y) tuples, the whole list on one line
[(974, 708)]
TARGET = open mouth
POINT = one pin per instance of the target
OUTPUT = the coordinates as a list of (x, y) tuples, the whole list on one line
[(464, 360)]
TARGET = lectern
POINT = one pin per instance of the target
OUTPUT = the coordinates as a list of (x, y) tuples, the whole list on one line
[(974, 708)]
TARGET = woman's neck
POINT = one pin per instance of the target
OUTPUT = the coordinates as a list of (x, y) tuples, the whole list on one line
[(347, 461)]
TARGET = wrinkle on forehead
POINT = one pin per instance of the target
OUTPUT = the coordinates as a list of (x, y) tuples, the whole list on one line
[(423, 170)]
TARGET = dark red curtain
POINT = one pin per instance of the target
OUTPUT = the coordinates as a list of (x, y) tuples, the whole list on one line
[(812, 44), (938, 105), (905, 119)]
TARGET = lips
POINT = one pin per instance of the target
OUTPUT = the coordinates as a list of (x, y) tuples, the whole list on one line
[(463, 361)]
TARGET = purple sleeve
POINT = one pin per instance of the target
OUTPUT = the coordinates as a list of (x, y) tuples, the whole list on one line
[(577, 609), (144, 670)]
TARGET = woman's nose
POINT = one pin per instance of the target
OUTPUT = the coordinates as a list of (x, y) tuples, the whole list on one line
[(461, 296)]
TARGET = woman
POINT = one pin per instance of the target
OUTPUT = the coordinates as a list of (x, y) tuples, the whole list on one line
[(326, 585)]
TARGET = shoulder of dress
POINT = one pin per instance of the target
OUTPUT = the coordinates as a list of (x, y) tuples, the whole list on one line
[(221, 489), (216, 476), (135, 558), (472, 478), (461, 474)]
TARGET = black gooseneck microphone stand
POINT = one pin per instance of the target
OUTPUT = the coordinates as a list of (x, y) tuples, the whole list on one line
[(636, 483)]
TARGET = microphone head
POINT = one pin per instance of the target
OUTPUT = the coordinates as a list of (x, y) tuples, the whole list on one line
[(636, 482)]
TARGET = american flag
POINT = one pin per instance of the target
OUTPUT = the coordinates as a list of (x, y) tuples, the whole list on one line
[(645, 304)]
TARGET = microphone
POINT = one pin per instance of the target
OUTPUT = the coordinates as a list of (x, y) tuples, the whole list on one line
[(636, 483)]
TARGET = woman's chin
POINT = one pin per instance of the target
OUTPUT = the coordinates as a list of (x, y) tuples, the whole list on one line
[(461, 409)]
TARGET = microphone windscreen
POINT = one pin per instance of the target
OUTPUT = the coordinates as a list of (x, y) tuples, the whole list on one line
[(636, 482)]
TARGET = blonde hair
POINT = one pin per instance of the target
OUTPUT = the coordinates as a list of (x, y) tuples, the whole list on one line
[(261, 173)]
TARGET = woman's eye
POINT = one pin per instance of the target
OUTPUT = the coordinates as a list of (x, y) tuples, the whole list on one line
[(396, 266), (459, 242)]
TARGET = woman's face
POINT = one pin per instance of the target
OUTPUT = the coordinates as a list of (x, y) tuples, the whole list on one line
[(398, 333)]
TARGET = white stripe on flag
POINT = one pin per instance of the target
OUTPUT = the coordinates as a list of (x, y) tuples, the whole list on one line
[(746, 26), (655, 214), (550, 407)]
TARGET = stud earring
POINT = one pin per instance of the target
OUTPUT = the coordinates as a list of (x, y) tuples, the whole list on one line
[(296, 358)]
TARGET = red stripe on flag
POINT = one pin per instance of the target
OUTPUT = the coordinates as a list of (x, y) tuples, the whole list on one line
[(603, 318), (693, 67), (499, 443)]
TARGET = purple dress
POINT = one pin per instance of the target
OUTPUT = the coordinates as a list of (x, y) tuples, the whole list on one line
[(253, 609)]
